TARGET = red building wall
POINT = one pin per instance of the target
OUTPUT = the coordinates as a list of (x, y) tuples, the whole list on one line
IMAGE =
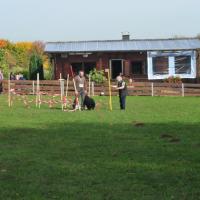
[(102, 60)]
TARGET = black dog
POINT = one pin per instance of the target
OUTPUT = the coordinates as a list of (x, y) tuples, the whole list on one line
[(89, 103)]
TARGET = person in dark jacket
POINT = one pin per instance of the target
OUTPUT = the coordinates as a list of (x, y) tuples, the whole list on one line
[(122, 87)]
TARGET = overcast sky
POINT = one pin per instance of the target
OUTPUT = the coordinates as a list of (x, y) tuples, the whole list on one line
[(64, 20)]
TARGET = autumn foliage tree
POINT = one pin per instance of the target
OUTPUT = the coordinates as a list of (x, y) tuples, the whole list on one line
[(27, 58), (3, 43)]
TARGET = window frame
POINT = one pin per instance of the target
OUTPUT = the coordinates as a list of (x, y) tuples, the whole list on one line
[(83, 66), (178, 67), (171, 64), (159, 57), (143, 71)]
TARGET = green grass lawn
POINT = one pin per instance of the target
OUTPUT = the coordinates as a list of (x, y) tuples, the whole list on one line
[(150, 151)]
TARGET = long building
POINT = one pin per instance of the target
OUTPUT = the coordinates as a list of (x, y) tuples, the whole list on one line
[(142, 60)]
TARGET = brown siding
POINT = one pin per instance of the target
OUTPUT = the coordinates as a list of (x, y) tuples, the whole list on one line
[(62, 65), (127, 68)]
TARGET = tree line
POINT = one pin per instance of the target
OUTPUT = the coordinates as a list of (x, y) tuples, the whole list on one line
[(27, 58)]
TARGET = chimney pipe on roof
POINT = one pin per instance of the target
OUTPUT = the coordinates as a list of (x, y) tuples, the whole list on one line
[(125, 36)]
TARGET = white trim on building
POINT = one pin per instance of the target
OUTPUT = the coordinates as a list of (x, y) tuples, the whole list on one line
[(171, 57)]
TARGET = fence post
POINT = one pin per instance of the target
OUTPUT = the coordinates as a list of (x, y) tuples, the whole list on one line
[(9, 92), (92, 88), (33, 87), (38, 91), (89, 86), (2, 87), (152, 89), (183, 90)]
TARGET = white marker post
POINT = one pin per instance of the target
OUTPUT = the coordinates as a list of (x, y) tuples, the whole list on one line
[(93, 89), (38, 91), (75, 86), (9, 92), (33, 87), (62, 90), (183, 90), (110, 91), (67, 86), (40, 101), (89, 92), (152, 89)]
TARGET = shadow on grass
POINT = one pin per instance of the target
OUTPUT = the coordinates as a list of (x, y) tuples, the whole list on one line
[(100, 161)]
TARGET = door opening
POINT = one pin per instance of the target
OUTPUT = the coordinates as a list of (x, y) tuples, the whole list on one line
[(116, 68)]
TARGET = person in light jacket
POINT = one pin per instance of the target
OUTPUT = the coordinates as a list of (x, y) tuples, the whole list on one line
[(81, 86)]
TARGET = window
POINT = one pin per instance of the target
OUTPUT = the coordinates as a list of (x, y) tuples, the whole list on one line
[(116, 67), (137, 68), (85, 66), (77, 67), (163, 64), (89, 66), (183, 64), (160, 65)]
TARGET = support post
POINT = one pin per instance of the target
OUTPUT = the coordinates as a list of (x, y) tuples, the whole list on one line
[(75, 86), (67, 86), (89, 92), (9, 92), (92, 88), (62, 91), (33, 87), (38, 91), (183, 90), (110, 91), (152, 89)]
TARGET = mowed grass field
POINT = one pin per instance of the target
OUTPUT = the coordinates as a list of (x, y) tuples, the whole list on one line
[(150, 151)]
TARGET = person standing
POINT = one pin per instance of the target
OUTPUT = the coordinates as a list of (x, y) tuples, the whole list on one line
[(12, 76), (1, 75), (122, 87), (81, 86)]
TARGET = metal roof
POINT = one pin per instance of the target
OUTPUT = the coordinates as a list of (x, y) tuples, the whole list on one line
[(121, 45)]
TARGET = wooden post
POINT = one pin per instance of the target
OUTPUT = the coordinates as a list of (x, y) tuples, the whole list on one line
[(33, 87), (61, 94), (110, 91), (75, 86), (67, 87), (183, 90), (73, 79), (92, 88), (9, 92), (152, 89), (89, 92), (62, 91), (36, 99), (38, 91)]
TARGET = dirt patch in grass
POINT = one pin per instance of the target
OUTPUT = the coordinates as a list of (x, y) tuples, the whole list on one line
[(170, 138), (163, 136), (138, 124), (197, 145), (175, 140)]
